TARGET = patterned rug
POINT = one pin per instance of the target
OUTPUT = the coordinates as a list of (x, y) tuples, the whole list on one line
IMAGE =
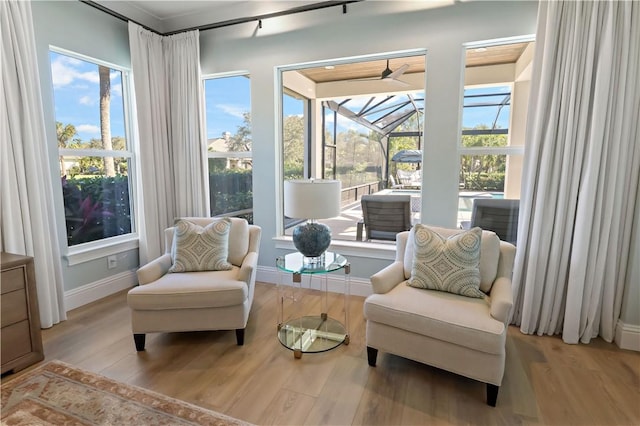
[(56, 393)]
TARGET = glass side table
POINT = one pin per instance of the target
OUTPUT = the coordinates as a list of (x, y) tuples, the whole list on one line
[(311, 333)]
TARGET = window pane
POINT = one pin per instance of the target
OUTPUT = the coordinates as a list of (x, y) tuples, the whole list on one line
[(487, 176), (228, 106), (293, 137), (96, 205), (486, 108), (89, 108)]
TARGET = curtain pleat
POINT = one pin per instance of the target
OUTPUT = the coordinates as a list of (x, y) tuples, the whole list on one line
[(27, 221), (189, 150), (582, 169), (155, 183), (172, 152)]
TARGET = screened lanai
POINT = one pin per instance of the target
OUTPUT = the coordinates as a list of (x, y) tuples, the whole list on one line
[(353, 126)]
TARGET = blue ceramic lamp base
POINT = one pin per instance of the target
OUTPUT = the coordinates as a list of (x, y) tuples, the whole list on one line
[(312, 239)]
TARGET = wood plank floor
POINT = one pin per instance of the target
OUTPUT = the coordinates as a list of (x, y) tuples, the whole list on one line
[(546, 381)]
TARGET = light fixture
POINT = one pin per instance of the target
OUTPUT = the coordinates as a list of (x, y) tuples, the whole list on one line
[(312, 199)]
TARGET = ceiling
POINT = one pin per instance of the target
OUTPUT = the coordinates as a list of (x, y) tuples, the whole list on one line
[(168, 16), (493, 55)]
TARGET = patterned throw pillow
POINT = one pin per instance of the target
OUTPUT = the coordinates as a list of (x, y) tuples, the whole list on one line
[(447, 264), (201, 249)]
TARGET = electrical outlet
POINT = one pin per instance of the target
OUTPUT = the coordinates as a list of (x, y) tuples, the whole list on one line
[(112, 262)]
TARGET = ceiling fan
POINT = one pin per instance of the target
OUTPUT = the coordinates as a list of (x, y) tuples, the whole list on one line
[(389, 75)]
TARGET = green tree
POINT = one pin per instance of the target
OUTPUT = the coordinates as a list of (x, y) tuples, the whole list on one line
[(476, 171), (241, 141), (65, 134), (293, 147)]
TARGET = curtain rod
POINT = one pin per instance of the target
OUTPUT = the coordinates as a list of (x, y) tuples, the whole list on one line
[(236, 21)]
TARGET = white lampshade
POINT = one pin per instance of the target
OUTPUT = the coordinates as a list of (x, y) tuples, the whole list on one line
[(312, 198)]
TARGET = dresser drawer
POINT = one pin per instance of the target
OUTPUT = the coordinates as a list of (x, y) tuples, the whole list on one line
[(12, 279), (14, 307), (16, 341)]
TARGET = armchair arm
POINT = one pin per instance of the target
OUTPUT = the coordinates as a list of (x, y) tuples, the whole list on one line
[(501, 299), (248, 266), (389, 277), (154, 269)]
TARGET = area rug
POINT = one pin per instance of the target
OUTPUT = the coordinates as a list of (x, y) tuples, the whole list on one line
[(56, 393)]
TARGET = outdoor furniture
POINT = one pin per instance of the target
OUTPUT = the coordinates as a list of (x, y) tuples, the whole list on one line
[(384, 216), (410, 179), (461, 334), (193, 301), (497, 215)]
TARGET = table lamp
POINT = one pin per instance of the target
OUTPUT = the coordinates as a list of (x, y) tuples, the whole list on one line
[(312, 199)]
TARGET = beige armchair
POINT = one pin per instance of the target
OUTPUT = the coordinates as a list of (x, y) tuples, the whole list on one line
[(193, 301), (463, 335)]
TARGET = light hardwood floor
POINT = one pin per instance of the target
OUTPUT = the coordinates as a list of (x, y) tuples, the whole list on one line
[(546, 381)]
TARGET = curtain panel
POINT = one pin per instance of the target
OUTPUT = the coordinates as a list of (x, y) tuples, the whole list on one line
[(27, 224), (582, 170), (172, 153)]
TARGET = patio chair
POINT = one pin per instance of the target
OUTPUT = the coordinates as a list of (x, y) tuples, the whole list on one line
[(497, 215), (383, 216)]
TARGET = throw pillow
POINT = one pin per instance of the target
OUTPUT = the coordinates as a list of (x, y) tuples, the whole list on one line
[(447, 264), (201, 249)]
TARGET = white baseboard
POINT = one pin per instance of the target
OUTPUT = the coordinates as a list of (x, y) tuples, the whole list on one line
[(358, 286), (628, 336), (98, 289)]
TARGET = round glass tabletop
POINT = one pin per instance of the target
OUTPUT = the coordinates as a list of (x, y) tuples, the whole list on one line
[(298, 264)]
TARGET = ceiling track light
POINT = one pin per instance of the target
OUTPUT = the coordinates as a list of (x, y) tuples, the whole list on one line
[(259, 23)]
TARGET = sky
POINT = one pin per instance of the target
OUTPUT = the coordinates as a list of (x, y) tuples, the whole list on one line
[(77, 94)]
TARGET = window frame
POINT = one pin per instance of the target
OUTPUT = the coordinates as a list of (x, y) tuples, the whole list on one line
[(227, 154), (92, 250)]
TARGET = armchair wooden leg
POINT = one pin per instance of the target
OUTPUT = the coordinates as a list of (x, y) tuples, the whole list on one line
[(139, 341), (372, 355), (240, 336), (492, 394)]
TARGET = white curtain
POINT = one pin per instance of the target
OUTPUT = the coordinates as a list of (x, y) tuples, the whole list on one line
[(172, 154), (187, 136), (27, 219), (582, 170)]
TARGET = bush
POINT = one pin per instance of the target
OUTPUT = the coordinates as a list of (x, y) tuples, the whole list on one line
[(96, 207), (483, 181), (231, 191)]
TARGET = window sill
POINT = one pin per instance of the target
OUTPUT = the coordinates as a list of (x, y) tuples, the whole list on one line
[(99, 249), (348, 248)]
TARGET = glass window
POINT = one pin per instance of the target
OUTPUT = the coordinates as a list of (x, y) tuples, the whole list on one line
[(492, 141), (349, 132), (95, 155), (228, 112)]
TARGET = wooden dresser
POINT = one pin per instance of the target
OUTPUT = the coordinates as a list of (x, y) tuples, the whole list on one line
[(21, 343)]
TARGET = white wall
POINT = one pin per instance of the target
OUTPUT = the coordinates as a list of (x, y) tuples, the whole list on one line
[(329, 34)]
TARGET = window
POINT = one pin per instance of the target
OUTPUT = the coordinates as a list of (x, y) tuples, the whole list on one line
[(95, 154), (493, 121), (228, 106), (344, 120)]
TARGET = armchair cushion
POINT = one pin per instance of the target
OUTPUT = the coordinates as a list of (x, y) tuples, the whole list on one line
[(447, 264), (197, 248), (464, 321), (212, 289)]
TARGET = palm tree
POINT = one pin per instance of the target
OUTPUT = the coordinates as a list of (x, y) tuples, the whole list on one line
[(64, 133), (105, 118)]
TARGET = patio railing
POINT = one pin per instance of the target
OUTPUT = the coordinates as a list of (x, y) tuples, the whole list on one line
[(353, 194)]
